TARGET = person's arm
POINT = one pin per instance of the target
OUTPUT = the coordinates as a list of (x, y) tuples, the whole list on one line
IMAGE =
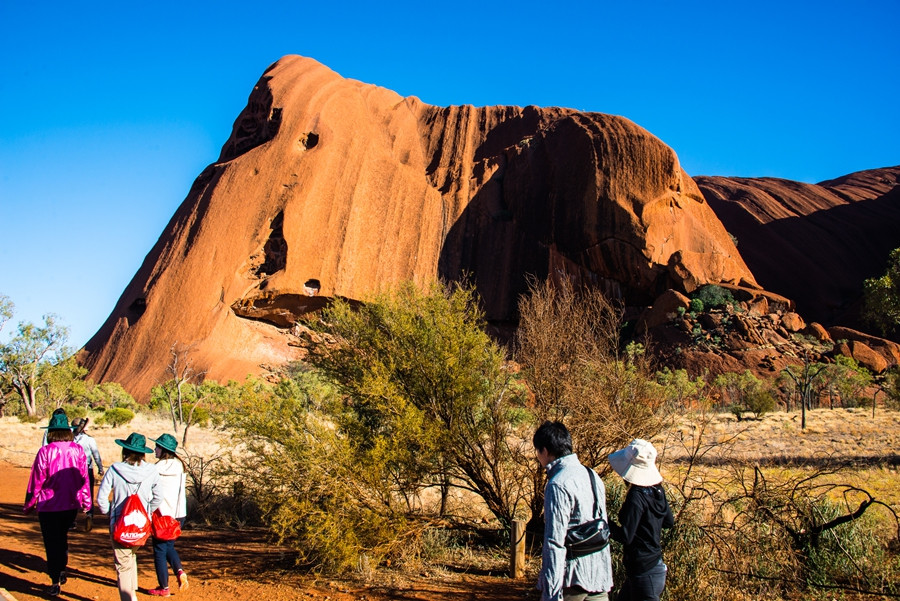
[(104, 490), (84, 493), (669, 519), (557, 510), (630, 516), (95, 452), (35, 481), (156, 490)]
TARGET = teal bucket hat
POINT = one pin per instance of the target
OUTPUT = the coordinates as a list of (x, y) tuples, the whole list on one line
[(58, 421), (167, 441), (135, 442)]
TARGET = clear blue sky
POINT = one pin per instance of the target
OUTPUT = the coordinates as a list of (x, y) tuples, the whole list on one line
[(108, 111)]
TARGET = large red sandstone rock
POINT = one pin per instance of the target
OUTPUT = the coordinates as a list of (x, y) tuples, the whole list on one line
[(664, 309), (354, 186), (889, 350), (814, 243)]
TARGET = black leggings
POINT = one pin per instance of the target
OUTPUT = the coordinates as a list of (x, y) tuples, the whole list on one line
[(55, 530)]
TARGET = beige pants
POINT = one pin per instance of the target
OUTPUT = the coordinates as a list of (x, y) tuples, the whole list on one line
[(126, 571)]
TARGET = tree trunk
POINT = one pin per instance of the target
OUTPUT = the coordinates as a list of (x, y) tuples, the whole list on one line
[(445, 490), (28, 399), (802, 413)]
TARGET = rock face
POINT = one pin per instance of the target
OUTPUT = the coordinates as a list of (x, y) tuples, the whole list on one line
[(812, 243), (333, 185)]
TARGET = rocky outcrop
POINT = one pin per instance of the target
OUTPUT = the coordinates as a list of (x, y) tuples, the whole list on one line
[(858, 344), (815, 243), (739, 336), (331, 187)]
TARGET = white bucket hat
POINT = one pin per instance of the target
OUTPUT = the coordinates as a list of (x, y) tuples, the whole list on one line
[(636, 463)]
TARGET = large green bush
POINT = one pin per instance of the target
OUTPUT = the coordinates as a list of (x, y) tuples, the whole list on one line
[(430, 399), (407, 393), (117, 416)]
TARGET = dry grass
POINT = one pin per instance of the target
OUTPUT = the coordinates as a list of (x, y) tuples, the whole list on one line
[(842, 446), (19, 442)]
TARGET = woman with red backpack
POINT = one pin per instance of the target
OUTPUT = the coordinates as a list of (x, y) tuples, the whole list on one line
[(172, 480), (131, 477)]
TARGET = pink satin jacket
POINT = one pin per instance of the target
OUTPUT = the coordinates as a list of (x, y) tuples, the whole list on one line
[(59, 479)]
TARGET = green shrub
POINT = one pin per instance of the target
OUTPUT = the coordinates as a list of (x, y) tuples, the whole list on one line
[(29, 419), (116, 416), (697, 306), (737, 411), (759, 402), (713, 297), (75, 411)]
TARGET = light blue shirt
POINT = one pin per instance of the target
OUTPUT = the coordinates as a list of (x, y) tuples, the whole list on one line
[(569, 501)]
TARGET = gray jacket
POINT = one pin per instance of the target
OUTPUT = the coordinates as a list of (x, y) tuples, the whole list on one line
[(89, 445), (123, 480), (569, 501)]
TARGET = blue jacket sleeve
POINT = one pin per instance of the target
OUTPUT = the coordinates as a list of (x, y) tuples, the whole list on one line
[(558, 507)]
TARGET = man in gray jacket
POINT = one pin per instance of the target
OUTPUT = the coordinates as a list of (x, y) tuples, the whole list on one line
[(569, 501), (89, 445)]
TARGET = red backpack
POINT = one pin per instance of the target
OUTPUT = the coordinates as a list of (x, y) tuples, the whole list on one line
[(133, 526)]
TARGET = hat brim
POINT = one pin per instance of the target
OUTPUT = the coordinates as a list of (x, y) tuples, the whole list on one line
[(128, 447), (51, 428), (162, 445), (633, 474)]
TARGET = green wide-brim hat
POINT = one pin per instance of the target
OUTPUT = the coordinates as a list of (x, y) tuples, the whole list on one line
[(58, 421), (167, 441), (135, 442)]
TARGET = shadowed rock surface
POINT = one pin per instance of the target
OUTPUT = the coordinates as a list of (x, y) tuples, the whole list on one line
[(350, 185), (814, 243)]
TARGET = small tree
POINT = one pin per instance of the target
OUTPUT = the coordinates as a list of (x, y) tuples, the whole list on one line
[(881, 297), (846, 380), (6, 310), (61, 383), (109, 395), (428, 393), (680, 389), (186, 396), (806, 378), (27, 352), (735, 388), (891, 387), (580, 370)]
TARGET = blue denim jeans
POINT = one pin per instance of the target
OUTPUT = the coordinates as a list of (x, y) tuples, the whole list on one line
[(165, 555), (644, 587)]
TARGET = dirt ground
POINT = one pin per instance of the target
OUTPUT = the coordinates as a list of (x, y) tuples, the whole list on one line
[(241, 564), (221, 565)]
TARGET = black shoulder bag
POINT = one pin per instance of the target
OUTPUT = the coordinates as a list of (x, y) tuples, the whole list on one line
[(591, 536)]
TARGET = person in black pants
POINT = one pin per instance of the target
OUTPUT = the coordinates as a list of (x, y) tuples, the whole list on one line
[(642, 517), (57, 489)]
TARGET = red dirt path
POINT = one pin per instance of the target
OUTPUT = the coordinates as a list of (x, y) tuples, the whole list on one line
[(222, 565)]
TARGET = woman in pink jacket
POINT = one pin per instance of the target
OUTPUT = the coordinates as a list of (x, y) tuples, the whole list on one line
[(58, 488)]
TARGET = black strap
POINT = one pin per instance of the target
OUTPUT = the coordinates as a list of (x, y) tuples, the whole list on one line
[(594, 489)]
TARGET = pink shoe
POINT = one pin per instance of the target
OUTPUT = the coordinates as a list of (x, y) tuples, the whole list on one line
[(182, 579), (159, 592)]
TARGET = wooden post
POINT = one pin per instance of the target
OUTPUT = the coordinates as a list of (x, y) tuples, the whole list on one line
[(517, 549)]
